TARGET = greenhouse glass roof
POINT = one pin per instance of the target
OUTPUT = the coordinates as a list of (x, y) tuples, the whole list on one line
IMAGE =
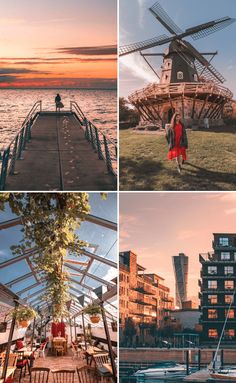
[(96, 265)]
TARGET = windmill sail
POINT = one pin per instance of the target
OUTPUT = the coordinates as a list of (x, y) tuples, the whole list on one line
[(135, 47), (202, 64), (160, 14), (211, 27)]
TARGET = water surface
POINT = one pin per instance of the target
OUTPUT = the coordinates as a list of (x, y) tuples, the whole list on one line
[(99, 106)]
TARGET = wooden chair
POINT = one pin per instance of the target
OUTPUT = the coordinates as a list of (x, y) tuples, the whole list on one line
[(22, 363), (11, 361), (87, 374), (100, 359), (63, 376), (39, 375)]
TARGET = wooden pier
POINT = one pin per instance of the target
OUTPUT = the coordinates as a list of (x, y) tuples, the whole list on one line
[(58, 151)]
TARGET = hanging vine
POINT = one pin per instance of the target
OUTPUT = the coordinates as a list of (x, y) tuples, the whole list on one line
[(49, 222)]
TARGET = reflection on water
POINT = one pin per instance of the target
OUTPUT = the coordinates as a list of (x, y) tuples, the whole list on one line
[(99, 106)]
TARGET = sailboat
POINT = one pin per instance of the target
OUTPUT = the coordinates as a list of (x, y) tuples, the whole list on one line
[(222, 374)]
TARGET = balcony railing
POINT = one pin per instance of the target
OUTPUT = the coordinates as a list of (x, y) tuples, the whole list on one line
[(154, 90)]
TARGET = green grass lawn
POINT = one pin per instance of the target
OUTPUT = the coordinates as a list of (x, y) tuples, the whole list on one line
[(211, 162)]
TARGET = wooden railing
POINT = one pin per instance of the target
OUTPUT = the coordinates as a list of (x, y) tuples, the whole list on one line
[(185, 88)]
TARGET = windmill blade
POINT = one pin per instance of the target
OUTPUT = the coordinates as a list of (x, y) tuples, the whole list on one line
[(206, 29), (136, 47), (160, 14), (201, 63)]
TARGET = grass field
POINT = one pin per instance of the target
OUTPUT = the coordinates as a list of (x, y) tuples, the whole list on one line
[(211, 161)]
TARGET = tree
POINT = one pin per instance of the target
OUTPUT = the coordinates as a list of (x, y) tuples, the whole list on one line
[(127, 114), (129, 331)]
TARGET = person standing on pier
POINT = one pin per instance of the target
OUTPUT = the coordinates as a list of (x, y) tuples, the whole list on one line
[(58, 102), (177, 141)]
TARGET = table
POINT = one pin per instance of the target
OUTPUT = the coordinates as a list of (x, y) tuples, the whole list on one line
[(59, 340), (10, 371), (27, 351)]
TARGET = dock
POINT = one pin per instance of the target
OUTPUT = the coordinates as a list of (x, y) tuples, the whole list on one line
[(58, 151)]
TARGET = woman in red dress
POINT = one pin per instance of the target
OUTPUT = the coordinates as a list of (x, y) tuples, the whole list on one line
[(177, 141)]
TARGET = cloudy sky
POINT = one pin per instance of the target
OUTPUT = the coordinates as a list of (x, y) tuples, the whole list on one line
[(58, 44), (157, 226), (138, 24)]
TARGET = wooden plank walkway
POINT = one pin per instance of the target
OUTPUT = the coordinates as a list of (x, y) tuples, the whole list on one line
[(58, 157)]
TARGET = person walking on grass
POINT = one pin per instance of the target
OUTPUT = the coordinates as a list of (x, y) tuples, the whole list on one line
[(177, 141)]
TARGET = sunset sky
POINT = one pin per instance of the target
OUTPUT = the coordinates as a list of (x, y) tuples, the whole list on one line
[(157, 226), (138, 24), (58, 43)]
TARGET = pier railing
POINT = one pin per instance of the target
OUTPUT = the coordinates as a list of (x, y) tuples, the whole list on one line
[(13, 151), (105, 148)]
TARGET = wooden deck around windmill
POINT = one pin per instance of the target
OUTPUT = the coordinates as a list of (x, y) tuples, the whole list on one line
[(58, 157)]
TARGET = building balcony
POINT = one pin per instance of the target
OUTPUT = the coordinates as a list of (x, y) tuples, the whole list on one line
[(216, 291), (229, 321), (217, 306), (218, 276), (145, 291)]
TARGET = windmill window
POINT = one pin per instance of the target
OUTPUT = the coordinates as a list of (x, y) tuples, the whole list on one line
[(180, 75), (166, 77), (195, 77)]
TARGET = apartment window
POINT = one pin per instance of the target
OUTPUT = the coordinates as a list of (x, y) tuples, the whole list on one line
[(230, 314), (212, 269), (228, 298), (230, 333), (212, 314), (224, 241), (212, 284), (212, 299), (234, 256), (180, 75), (225, 256), (229, 285), (212, 333), (228, 270)]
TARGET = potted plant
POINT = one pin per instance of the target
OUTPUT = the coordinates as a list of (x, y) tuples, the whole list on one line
[(24, 315), (94, 312), (114, 325), (3, 326)]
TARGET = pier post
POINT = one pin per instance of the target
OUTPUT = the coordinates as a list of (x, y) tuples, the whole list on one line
[(108, 157), (13, 159), (98, 145), (199, 359), (187, 362), (222, 357), (4, 168)]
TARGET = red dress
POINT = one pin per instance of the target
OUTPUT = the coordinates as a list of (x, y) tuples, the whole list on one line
[(177, 150)]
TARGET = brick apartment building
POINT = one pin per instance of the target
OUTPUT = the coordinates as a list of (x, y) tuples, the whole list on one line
[(218, 284), (143, 297)]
